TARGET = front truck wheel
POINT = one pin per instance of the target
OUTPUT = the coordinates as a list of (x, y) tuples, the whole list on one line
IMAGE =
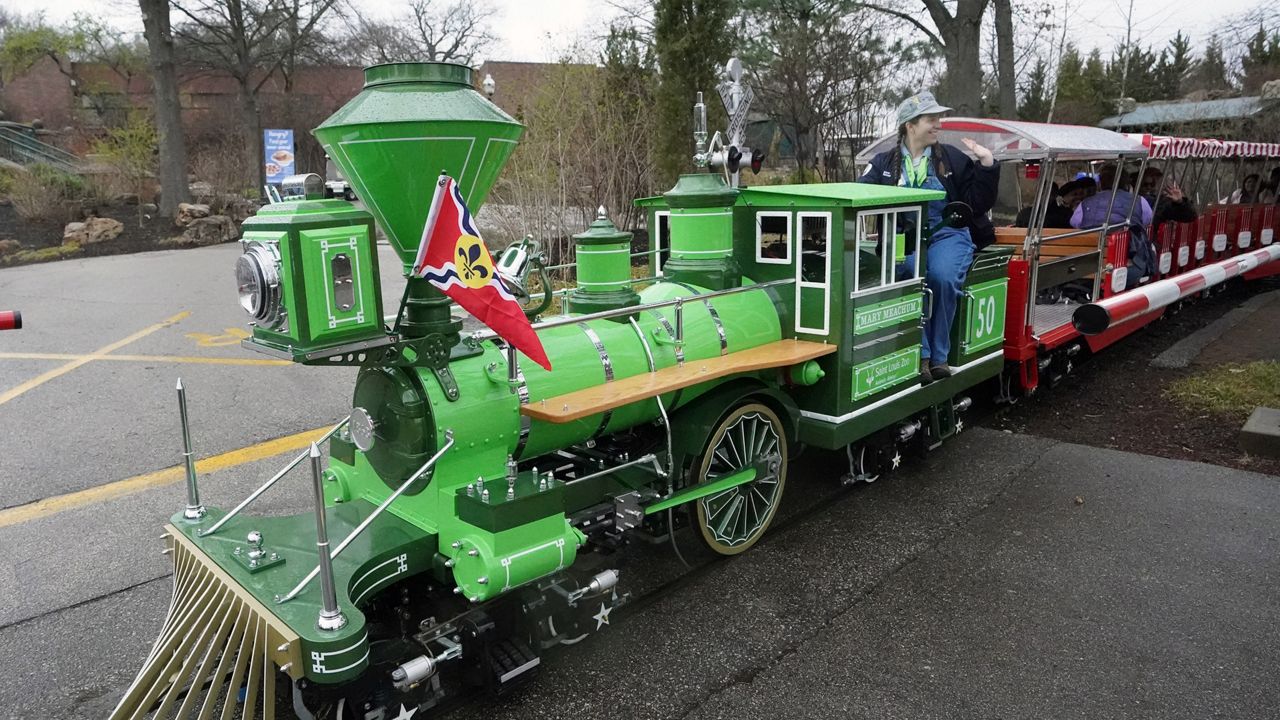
[(749, 437)]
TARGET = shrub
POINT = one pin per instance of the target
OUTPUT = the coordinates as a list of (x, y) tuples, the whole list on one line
[(130, 150), (44, 191), (221, 163)]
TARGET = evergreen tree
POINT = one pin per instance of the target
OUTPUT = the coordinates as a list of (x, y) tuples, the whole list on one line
[(1173, 67), (1261, 62), (693, 43), (1210, 74), (1084, 88), (1035, 98)]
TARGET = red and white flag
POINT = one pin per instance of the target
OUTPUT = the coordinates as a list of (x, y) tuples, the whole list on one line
[(454, 258)]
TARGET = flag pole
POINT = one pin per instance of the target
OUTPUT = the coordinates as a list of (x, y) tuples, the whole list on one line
[(426, 229), (404, 297)]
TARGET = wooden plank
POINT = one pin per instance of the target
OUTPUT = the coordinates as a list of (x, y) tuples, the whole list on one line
[(597, 399)]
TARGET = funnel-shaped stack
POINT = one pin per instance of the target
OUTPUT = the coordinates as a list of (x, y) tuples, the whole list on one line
[(412, 121)]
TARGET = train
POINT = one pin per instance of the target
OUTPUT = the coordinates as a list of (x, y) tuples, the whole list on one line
[(465, 517)]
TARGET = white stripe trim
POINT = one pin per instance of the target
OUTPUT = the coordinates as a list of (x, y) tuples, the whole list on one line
[(675, 212), (896, 396)]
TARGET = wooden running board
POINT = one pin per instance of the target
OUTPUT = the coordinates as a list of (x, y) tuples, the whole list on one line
[(597, 399)]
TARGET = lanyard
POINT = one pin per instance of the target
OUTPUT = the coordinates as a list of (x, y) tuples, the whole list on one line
[(918, 172)]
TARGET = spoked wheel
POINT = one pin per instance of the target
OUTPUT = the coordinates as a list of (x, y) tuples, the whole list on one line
[(751, 437)]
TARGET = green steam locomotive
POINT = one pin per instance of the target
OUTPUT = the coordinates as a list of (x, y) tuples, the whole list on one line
[(469, 494)]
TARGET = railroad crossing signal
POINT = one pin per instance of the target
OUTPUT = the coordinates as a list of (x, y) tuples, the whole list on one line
[(737, 98)]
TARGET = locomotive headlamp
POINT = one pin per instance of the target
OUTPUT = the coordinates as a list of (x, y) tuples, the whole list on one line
[(258, 283)]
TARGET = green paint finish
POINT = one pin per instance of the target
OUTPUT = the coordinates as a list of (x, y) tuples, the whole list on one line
[(697, 492), (848, 194), (388, 551), (888, 313), (308, 236), (836, 433), (701, 233), (412, 121), (885, 372), (984, 316), (343, 298), (603, 256)]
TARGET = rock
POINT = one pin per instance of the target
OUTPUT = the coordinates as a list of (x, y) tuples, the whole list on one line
[(241, 209), (150, 209), (8, 246), (100, 229), (201, 191), (76, 233), (211, 231), (125, 199), (189, 212)]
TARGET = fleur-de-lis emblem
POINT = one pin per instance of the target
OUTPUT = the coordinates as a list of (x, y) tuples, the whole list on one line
[(469, 260)]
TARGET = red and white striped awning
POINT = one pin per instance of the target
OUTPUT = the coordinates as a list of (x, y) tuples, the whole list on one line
[(1166, 147)]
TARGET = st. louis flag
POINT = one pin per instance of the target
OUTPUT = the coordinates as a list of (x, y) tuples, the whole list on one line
[(453, 258)]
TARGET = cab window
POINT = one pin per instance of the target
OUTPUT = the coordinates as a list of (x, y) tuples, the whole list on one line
[(773, 238), (886, 246)]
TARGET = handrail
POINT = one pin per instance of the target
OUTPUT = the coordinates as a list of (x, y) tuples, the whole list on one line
[(275, 478), (20, 147), (482, 335), (333, 555)]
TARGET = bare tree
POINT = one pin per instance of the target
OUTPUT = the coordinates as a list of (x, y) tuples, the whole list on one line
[(249, 40), (168, 106), (958, 36), (1006, 72), (430, 31), (813, 62)]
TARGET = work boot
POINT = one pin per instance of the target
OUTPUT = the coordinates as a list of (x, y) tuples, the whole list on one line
[(938, 372), (926, 377)]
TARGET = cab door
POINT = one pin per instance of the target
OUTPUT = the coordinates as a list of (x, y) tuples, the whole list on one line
[(887, 305)]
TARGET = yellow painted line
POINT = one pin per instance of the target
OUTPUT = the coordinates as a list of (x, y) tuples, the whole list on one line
[(95, 355), (120, 488), (148, 359)]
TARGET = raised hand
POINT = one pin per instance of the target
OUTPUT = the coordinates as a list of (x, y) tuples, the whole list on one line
[(983, 154)]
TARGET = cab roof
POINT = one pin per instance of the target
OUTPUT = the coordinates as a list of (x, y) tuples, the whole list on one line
[(844, 194)]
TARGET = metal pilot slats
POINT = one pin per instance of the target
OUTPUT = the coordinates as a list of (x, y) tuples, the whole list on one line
[(593, 400), (217, 654)]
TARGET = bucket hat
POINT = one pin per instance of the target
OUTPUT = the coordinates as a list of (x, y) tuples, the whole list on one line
[(921, 103)]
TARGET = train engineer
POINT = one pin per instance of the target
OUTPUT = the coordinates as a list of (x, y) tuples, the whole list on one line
[(920, 161)]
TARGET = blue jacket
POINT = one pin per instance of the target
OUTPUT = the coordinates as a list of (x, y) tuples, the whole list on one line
[(964, 180)]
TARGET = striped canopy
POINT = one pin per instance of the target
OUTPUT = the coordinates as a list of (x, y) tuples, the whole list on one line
[(1166, 147)]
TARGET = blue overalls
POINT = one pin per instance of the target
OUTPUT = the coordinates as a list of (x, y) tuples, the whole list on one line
[(950, 253)]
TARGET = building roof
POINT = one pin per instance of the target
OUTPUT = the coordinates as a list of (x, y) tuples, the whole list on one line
[(1157, 114)]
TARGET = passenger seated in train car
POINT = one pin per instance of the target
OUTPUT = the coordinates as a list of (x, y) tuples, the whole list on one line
[(1063, 203), (1172, 205), (1093, 212), (1248, 190), (1266, 195), (918, 160)]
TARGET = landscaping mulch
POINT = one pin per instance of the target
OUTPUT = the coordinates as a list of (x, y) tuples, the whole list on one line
[(1117, 400), (41, 240)]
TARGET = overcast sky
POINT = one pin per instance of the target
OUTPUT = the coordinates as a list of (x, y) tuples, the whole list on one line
[(536, 30)]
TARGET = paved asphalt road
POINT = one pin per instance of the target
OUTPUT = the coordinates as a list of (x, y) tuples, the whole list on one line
[(973, 584)]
